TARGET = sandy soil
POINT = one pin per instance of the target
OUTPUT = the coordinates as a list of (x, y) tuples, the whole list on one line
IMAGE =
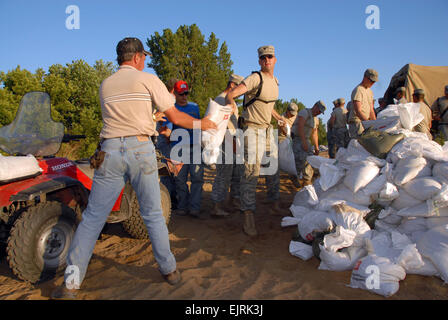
[(217, 261)]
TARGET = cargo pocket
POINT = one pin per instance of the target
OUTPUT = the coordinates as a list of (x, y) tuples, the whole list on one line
[(146, 161)]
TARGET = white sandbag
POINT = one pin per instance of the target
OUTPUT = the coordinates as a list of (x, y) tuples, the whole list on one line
[(355, 148), (343, 193), (440, 171), (439, 212), (213, 138), (388, 193), (433, 222), (317, 161), (301, 250), (306, 197), (440, 200), (378, 275), (434, 246), (343, 260), (289, 221), (360, 175), (422, 188), (389, 215), (18, 167), (410, 115), (390, 124), (330, 175), (350, 221), (382, 226), (418, 146), (341, 238), (375, 186), (286, 160), (342, 206), (421, 210), (299, 211), (407, 169), (410, 258), (314, 222), (410, 225), (389, 112), (404, 200), (427, 269)]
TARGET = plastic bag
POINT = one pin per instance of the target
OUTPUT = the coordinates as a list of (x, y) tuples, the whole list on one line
[(330, 175), (314, 222), (306, 197), (18, 167), (360, 175), (286, 161), (301, 250), (410, 115), (407, 169), (434, 245), (422, 188), (440, 171)]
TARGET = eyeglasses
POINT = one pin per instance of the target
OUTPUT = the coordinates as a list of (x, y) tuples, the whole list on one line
[(266, 56)]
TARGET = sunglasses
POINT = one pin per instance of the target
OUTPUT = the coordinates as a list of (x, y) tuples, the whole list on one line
[(266, 56), (184, 94)]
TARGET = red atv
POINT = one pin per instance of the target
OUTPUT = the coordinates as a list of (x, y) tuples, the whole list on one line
[(39, 213)]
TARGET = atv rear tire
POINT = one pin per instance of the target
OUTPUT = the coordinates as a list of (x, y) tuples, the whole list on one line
[(135, 225), (39, 241)]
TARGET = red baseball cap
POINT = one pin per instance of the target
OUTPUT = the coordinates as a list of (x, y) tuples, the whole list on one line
[(180, 86)]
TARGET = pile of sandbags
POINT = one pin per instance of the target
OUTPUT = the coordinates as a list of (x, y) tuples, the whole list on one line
[(406, 193)]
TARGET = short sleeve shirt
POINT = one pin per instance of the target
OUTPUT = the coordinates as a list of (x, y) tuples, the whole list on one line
[(365, 96), (310, 122), (439, 106), (424, 125), (340, 117), (259, 113), (127, 99)]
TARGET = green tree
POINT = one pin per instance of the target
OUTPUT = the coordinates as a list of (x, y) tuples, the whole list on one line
[(186, 55)]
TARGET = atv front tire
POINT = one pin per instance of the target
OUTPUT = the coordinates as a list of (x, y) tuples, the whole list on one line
[(39, 241)]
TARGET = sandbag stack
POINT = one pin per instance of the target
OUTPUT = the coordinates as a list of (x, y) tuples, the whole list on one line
[(404, 198)]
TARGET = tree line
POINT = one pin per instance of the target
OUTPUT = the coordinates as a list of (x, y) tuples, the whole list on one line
[(185, 54)]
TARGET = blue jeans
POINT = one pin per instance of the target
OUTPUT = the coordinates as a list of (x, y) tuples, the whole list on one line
[(126, 158), (190, 199)]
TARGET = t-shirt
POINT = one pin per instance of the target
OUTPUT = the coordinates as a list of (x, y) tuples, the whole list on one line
[(424, 125), (127, 99), (365, 96), (310, 123), (233, 121), (439, 106), (191, 109), (340, 117), (259, 113)]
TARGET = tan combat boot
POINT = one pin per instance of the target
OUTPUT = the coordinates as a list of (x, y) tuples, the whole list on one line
[(249, 223), (218, 210)]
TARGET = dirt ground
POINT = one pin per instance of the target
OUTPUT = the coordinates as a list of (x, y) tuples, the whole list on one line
[(217, 261)]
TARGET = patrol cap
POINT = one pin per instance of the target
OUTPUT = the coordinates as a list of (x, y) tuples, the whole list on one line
[(341, 101), (335, 102), (264, 50), (131, 45), (235, 78), (400, 89), (419, 92), (293, 108), (181, 87), (321, 106), (371, 74)]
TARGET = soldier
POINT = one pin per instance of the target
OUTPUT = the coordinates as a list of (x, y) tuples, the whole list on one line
[(305, 129), (330, 137), (440, 113), (338, 123), (261, 89), (227, 174), (425, 125), (399, 96), (362, 103), (290, 116), (382, 105)]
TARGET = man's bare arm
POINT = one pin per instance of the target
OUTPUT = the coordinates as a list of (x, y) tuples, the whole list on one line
[(236, 92), (186, 121)]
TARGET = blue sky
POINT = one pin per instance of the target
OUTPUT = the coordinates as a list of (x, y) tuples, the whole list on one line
[(322, 47)]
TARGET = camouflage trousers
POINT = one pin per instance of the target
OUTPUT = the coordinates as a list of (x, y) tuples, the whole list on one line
[(300, 155), (355, 129), (331, 144), (340, 139), (253, 165), (227, 175), (444, 129)]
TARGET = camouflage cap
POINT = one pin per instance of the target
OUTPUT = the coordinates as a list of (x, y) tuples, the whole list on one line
[(419, 92), (235, 78), (371, 74), (321, 105), (264, 50), (335, 102), (400, 89), (341, 101), (293, 108)]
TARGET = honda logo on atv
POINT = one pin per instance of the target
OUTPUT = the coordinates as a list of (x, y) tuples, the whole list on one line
[(61, 166)]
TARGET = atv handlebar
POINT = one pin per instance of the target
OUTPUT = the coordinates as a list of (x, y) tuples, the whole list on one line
[(70, 137)]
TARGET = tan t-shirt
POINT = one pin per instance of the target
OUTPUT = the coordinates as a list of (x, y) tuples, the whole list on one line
[(365, 96), (424, 125), (340, 117), (310, 123), (259, 113), (233, 121), (439, 106), (127, 99)]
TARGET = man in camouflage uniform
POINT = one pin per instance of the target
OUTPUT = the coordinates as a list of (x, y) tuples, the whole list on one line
[(338, 123), (362, 104), (290, 116), (399, 96), (256, 116), (330, 137), (425, 125), (305, 130), (227, 174), (440, 112)]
